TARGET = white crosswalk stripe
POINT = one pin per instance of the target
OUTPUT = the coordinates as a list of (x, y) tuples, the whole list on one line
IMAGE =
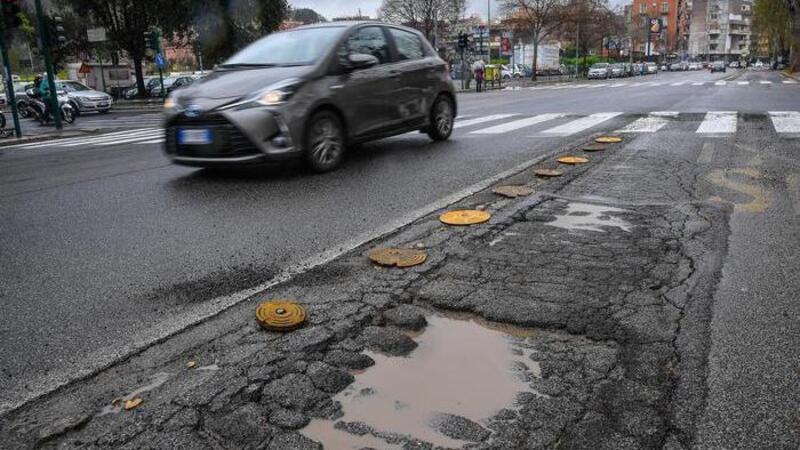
[(120, 138), (721, 83), (786, 121), (154, 141), (742, 83), (699, 83), (581, 124), (468, 123), (517, 124), (765, 82), (679, 83), (789, 82), (129, 140), (718, 122), (76, 139), (651, 123)]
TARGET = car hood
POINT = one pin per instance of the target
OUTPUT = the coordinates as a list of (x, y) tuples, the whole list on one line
[(90, 93), (223, 86)]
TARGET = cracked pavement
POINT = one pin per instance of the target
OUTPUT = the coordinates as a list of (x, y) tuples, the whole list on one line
[(616, 293)]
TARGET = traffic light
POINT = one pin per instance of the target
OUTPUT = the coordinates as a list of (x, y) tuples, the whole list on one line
[(56, 31), (152, 40), (11, 12)]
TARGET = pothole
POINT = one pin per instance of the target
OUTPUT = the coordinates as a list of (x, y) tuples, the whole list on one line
[(462, 373), (589, 217)]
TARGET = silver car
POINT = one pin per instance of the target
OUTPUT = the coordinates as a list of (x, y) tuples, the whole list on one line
[(85, 99), (599, 70)]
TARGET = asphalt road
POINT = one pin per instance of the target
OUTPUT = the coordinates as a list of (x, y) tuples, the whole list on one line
[(105, 244)]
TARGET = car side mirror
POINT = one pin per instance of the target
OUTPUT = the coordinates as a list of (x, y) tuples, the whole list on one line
[(356, 61)]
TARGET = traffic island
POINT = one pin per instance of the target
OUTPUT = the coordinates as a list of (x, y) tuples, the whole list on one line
[(584, 317)]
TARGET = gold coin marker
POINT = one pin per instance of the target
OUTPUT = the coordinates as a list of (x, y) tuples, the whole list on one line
[(464, 217)]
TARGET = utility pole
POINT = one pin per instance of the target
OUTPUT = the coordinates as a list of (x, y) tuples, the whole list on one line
[(7, 75), (48, 62), (577, 46), (489, 30)]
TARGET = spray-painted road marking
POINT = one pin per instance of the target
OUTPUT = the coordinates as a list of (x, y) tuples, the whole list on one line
[(760, 199), (650, 124)]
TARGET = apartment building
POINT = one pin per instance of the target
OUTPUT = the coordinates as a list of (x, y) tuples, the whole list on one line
[(667, 42), (720, 30)]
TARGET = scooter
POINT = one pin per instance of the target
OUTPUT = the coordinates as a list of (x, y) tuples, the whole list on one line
[(36, 109)]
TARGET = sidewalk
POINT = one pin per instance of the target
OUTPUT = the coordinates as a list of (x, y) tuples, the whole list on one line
[(606, 301)]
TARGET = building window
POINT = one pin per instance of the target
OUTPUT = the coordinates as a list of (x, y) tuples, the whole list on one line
[(664, 7), (642, 8), (714, 16), (664, 22)]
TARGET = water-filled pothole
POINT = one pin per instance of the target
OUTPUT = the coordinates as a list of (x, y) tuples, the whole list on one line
[(463, 366)]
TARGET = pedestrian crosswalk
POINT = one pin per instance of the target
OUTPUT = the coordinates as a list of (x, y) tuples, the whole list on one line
[(709, 124), (633, 84)]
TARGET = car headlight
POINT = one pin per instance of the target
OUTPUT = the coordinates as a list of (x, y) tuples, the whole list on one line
[(278, 93)]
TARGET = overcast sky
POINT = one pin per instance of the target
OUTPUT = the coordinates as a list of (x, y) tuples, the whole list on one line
[(339, 8)]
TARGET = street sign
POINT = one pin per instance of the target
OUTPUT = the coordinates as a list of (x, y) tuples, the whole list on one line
[(96, 34), (160, 61)]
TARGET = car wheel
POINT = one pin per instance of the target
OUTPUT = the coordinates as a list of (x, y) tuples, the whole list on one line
[(105, 111), (442, 117), (75, 110), (325, 142)]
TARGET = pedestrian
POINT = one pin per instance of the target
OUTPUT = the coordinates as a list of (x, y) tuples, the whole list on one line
[(478, 69)]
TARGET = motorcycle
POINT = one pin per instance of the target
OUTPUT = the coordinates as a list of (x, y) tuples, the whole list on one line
[(35, 109)]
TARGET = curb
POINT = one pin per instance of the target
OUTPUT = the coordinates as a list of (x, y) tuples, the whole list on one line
[(795, 77), (48, 137)]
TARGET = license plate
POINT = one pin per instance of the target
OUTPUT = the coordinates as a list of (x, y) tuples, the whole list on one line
[(102, 105), (194, 137)]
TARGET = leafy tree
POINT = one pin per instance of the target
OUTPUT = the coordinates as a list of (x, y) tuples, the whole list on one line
[(126, 22), (306, 16)]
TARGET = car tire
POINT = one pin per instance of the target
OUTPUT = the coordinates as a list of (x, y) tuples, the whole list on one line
[(75, 110), (324, 142), (442, 118)]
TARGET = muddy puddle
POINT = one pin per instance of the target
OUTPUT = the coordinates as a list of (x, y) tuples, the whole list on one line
[(462, 366), (589, 217)]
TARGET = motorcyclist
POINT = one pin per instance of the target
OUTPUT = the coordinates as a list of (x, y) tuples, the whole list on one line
[(41, 93)]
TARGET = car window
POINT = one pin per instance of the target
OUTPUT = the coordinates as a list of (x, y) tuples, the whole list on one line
[(409, 45), (370, 41)]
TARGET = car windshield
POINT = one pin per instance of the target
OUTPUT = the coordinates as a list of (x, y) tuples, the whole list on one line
[(599, 66), (71, 86), (289, 48)]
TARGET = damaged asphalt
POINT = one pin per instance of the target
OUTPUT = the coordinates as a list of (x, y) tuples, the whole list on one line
[(616, 287)]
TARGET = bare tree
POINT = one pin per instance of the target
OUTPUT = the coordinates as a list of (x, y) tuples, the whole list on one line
[(534, 18), (423, 15)]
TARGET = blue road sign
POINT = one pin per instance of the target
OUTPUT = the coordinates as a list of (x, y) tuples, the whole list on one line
[(160, 61)]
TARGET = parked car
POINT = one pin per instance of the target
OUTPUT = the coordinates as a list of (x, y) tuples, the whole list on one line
[(85, 99), (599, 70), (695, 66), (618, 70), (310, 92), (718, 66), (734, 64), (637, 68), (759, 64), (651, 67), (170, 84)]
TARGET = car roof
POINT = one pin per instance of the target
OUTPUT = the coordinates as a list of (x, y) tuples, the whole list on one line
[(352, 24)]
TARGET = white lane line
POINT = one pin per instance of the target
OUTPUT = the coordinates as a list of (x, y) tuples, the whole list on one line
[(467, 123), (721, 83), (679, 83), (699, 83), (651, 123), (130, 140), (637, 84), (765, 82), (742, 83), (70, 140), (655, 83), (145, 337), (785, 121), (718, 122), (517, 124), (598, 85), (154, 141), (618, 85), (115, 137), (706, 154), (789, 82), (581, 124)]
